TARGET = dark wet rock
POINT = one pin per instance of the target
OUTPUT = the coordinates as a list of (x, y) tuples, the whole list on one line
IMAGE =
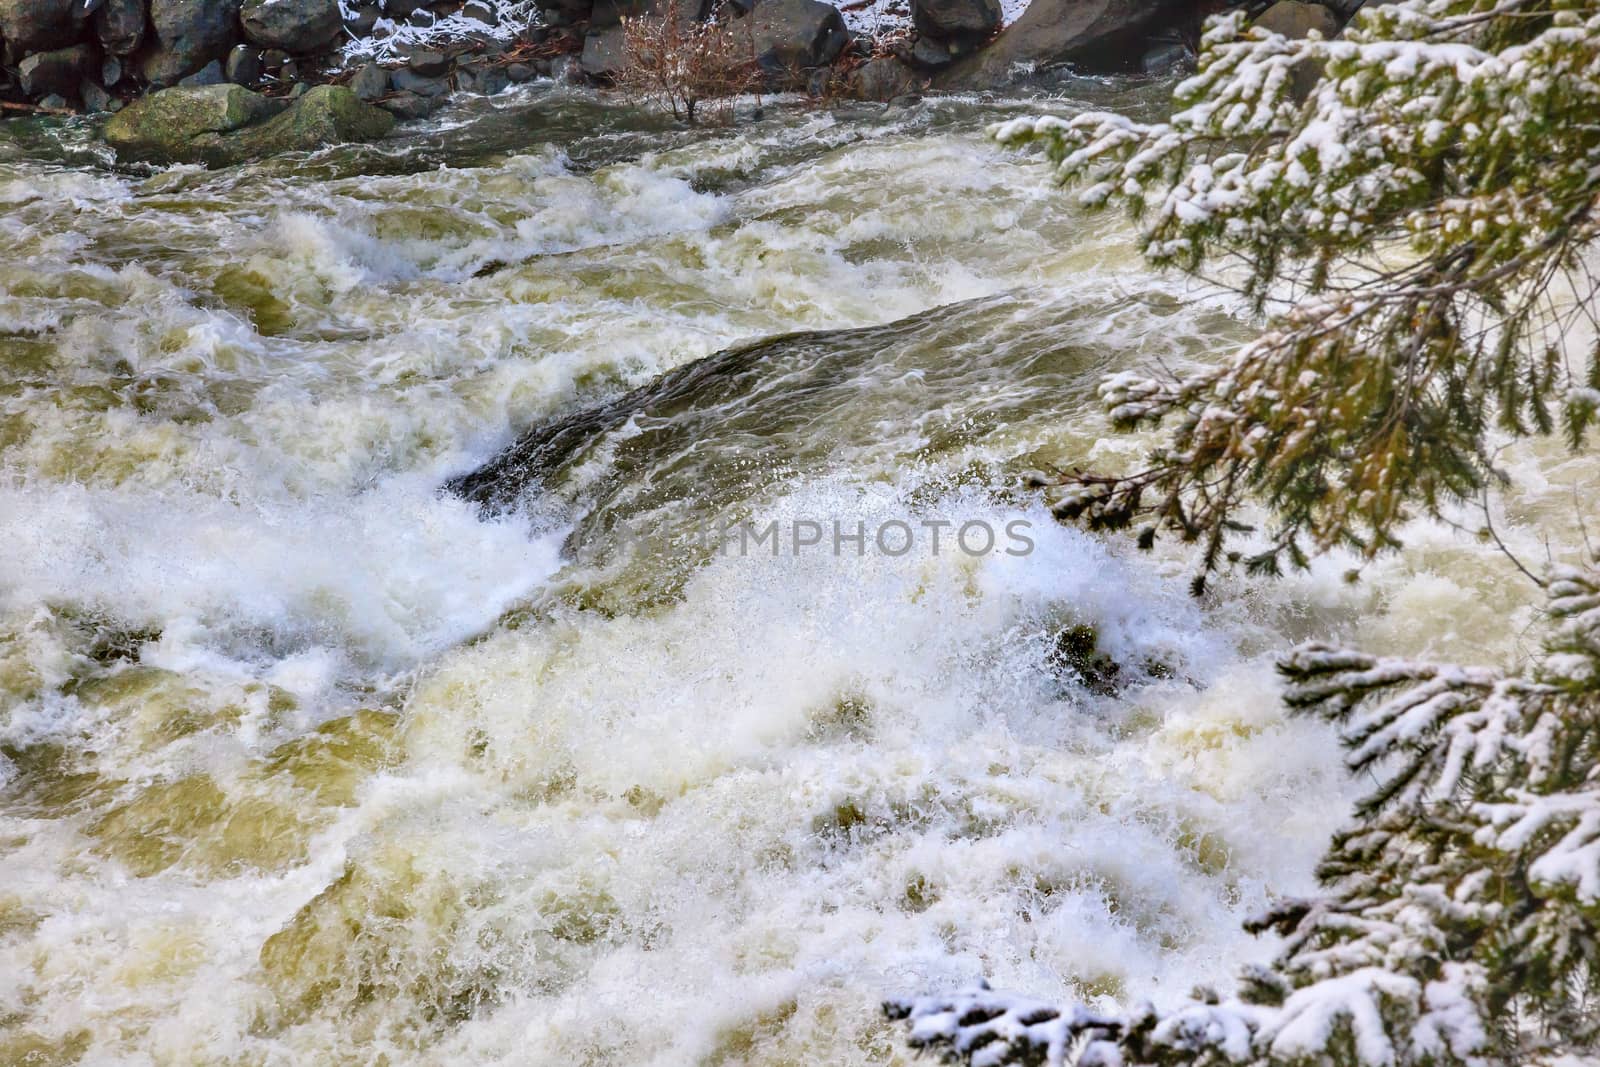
[(409, 81), (1166, 57), (789, 36), (244, 65), (1295, 20), (273, 59), (603, 52), (300, 89), (906, 100), (428, 63), (1346, 9), (210, 74), (521, 72), (370, 82), (484, 13), (606, 13), (480, 76), (302, 26), (1101, 34), (409, 106), (1076, 655), (565, 12), (120, 24), (39, 25), (932, 54), (188, 34), (365, 18), (955, 19), (110, 71), (883, 78), (95, 99), (61, 71), (55, 102), (566, 69), (226, 124)]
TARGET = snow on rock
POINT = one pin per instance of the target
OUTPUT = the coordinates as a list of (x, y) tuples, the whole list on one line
[(390, 37)]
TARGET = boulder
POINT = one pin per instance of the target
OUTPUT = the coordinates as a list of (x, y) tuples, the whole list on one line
[(326, 114), (39, 25), (303, 26), (95, 99), (883, 78), (789, 36), (409, 81), (370, 82), (188, 34), (932, 54), (1166, 57), (955, 19), (409, 106), (1103, 33), (1295, 20), (61, 71), (210, 74), (170, 120), (428, 63), (119, 24), (479, 76), (227, 124), (565, 12), (244, 65), (365, 18), (603, 52), (480, 11)]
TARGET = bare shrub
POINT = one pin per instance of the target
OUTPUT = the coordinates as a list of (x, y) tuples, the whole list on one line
[(688, 65)]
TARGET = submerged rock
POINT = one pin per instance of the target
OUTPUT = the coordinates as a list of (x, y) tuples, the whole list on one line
[(225, 124)]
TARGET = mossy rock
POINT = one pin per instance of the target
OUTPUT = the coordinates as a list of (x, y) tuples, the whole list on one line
[(226, 124), (176, 122)]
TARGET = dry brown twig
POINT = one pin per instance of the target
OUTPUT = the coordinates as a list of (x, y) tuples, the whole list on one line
[(685, 63)]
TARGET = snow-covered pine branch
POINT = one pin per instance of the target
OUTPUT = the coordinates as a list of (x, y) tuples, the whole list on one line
[(1460, 923), (1401, 225)]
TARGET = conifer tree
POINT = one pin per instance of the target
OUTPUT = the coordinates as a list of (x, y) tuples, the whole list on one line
[(1415, 230)]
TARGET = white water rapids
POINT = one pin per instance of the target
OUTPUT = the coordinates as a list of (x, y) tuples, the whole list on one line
[(303, 760)]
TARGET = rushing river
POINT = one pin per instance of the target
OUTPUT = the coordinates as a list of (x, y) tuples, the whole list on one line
[(304, 759)]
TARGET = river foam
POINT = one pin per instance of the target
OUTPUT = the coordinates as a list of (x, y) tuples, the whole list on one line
[(304, 760)]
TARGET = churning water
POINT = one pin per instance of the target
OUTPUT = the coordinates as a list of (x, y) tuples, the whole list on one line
[(304, 759)]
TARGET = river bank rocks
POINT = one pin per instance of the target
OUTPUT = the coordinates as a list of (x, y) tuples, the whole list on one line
[(98, 55), (226, 124)]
